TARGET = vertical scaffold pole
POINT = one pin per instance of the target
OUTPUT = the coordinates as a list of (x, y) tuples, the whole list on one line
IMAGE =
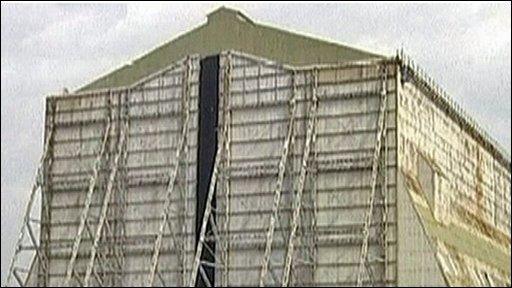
[(70, 270), (15, 271), (226, 97), (375, 170), (121, 147), (302, 180), (279, 185), (170, 187)]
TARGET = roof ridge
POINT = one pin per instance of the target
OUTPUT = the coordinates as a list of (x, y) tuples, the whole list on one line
[(229, 11), (259, 39)]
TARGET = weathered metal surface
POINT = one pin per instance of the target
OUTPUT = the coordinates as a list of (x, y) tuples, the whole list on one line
[(442, 219), (346, 128), (464, 183), (154, 108)]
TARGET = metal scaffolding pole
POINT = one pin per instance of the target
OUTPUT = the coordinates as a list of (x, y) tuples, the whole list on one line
[(314, 197), (375, 171), (225, 100), (303, 268), (170, 187), (15, 269), (121, 151), (121, 195), (279, 186), (301, 182), (186, 95), (197, 264), (384, 192), (70, 270)]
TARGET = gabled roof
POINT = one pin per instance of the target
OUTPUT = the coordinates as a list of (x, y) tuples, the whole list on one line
[(228, 29)]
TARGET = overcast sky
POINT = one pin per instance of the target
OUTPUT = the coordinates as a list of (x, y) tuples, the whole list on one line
[(464, 46)]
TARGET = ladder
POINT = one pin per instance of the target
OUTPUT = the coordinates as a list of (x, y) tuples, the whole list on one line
[(170, 188), (84, 217), (375, 172), (277, 193), (302, 180), (22, 273)]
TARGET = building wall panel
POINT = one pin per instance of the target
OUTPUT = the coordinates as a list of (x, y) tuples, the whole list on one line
[(346, 129), (460, 178), (154, 109)]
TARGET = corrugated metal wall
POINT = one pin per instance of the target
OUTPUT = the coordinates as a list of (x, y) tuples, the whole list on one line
[(256, 104), (154, 111), (336, 192), (337, 188), (467, 190)]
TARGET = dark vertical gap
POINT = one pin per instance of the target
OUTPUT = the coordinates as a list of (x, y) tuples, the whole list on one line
[(207, 147)]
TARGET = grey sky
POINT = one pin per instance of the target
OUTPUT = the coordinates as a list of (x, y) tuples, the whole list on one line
[(464, 46)]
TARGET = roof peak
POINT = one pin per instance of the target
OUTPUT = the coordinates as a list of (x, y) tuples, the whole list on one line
[(224, 12), (230, 29)]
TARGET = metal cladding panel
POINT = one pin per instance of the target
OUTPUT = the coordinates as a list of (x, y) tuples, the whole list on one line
[(464, 189), (153, 110), (256, 100), (449, 187), (417, 262), (298, 164)]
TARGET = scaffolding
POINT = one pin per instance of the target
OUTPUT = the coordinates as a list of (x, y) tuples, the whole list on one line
[(100, 240), (85, 218), (302, 188), (101, 236), (277, 196), (307, 166), (18, 269), (182, 148), (377, 167)]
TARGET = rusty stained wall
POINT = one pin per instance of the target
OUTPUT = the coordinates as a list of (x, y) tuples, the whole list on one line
[(463, 183)]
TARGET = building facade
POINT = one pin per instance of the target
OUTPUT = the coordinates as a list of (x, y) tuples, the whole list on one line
[(262, 157)]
